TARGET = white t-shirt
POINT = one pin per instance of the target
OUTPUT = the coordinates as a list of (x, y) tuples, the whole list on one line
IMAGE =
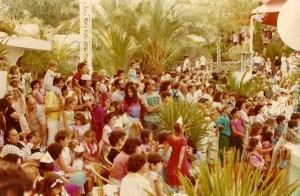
[(134, 184), (202, 60), (152, 176), (77, 164), (49, 77)]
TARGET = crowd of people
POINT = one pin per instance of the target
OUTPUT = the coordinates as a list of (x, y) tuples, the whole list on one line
[(64, 126)]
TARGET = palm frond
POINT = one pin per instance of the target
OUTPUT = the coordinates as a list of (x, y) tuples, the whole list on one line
[(193, 115), (235, 177)]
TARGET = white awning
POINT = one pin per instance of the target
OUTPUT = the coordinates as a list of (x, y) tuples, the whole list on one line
[(26, 43)]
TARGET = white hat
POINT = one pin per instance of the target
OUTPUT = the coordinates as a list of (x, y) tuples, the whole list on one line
[(179, 120), (86, 77), (79, 149), (46, 158)]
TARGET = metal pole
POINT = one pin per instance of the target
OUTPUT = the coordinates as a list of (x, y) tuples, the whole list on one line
[(251, 40)]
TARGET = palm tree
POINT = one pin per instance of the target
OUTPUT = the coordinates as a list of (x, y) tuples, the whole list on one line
[(112, 47), (161, 30), (156, 32)]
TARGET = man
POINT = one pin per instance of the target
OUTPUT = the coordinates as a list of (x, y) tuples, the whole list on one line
[(202, 61), (186, 64), (257, 61), (119, 94), (36, 118), (53, 110), (151, 101)]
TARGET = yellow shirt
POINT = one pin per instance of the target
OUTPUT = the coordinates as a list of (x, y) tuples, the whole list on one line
[(52, 100)]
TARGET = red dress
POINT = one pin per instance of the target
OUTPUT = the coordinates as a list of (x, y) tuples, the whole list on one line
[(172, 173)]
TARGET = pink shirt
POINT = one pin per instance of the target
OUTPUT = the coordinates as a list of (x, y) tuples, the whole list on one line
[(118, 169), (238, 125)]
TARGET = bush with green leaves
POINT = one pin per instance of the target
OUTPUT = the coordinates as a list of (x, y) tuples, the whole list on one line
[(235, 177), (243, 87), (193, 115)]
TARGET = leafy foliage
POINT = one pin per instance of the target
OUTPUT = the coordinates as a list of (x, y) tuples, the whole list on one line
[(36, 61), (193, 115), (48, 11), (4, 61), (244, 88), (235, 177), (153, 31)]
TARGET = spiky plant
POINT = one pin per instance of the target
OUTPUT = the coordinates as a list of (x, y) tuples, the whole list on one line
[(193, 115), (235, 177), (243, 87)]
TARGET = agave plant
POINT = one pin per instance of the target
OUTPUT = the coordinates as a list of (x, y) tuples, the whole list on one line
[(193, 115), (235, 177), (243, 87)]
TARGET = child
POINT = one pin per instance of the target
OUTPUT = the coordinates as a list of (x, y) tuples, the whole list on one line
[(48, 79), (190, 94), (14, 71), (81, 126), (281, 126), (254, 158), (267, 143), (122, 118), (78, 165), (132, 72), (149, 145), (82, 68), (162, 139), (104, 144), (72, 145), (153, 175), (90, 146), (98, 114), (116, 140), (175, 91), (68, 114), (33, 142), (78, 160), (135, 130)]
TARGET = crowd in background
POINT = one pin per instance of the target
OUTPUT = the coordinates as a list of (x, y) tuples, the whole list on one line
[(65, 126)]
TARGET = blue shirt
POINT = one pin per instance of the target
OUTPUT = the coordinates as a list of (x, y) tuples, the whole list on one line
[(224, 121)]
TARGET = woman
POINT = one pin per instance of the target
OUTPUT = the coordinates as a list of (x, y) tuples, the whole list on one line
[(134, 182), (11, 116), (12, 144), (118, 169), (131, 103), (36, 92), (178, 160)]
